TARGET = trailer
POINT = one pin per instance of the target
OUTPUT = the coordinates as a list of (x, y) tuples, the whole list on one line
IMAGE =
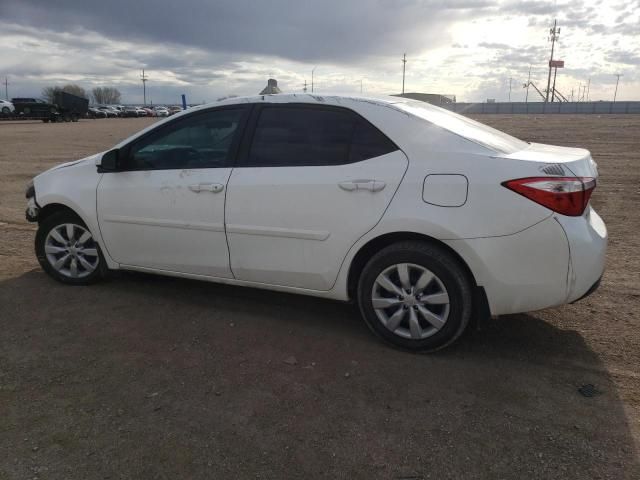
[(71, 107)]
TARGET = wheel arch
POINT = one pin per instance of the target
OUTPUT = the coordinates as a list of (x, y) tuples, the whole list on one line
[(51, 208), (481, 305)]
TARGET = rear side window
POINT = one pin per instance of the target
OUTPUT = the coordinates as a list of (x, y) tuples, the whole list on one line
[(303, 136)]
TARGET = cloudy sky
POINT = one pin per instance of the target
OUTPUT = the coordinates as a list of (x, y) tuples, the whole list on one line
[(213, 48)]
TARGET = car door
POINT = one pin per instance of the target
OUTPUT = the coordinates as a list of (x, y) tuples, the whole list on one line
[(309, 183), (165, 209)]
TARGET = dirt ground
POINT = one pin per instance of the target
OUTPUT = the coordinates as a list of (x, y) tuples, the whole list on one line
[(144, 377)]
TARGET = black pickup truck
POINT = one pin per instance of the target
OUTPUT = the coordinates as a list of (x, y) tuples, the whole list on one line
[(66, 108)]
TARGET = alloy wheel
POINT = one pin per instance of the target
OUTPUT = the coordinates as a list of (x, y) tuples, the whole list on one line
[(71, 250), (410, 301)]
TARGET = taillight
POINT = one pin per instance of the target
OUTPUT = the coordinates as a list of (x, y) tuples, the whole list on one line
[(566, 195)]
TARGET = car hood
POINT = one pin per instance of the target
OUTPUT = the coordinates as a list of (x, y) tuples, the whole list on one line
[(83, 161)]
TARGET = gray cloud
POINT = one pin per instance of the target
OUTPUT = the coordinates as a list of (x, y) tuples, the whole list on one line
[(304, 30)]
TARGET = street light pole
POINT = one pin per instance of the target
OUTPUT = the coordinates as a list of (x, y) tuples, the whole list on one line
[(404, 65)]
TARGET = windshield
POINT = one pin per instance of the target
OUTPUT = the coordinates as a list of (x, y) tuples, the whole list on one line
[(465, 127)]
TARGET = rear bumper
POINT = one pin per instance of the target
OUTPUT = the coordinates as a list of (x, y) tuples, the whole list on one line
[(593, 288), (554, 262), (522, 272), (587, 237)]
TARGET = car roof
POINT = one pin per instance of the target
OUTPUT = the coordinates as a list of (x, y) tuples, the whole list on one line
[(332, 99)]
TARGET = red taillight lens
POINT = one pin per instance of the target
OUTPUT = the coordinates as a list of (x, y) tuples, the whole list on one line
[(566, 195)]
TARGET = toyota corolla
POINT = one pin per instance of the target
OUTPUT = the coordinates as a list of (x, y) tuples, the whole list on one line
[(422, 217)]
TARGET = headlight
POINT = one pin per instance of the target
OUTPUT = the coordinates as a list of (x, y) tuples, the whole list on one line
[(31, 191)]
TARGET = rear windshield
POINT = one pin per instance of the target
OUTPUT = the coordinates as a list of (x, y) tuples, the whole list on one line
[(465, 127)]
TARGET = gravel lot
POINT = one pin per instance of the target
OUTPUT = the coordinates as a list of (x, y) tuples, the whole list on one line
[(145, 377)]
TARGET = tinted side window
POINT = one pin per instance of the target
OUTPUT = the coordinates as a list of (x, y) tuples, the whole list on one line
[(368, 142), (199, 141), (301, 136)]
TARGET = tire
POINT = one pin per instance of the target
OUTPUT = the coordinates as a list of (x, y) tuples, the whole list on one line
[(52, 244), (6, 111), (434, 276)]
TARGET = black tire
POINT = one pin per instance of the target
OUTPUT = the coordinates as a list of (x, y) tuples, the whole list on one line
[(445, 267), (6, 111), (46, 226)]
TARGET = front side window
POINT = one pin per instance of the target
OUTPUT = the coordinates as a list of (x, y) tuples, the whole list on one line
[(302, 136), (200, 141)]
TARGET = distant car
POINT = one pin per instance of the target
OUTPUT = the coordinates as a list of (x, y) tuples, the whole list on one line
[(96, 113), (130, 112), (141, 111), (33, 107), (110, 112), (6, 107), (150, 112), (422, 217), (161, 112), (174, 109)]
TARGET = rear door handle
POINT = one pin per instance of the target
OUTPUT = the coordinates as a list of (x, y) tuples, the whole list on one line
[(206, 187), (371, 185)]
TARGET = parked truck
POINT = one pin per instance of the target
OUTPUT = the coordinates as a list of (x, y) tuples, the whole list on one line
[(66, 107)]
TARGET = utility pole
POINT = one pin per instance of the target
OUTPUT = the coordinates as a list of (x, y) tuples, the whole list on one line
[(572, 94), (618, 75), (404, 64), (588, 87), (553, 89), (510, 80), (144, 79), (554, 33), (526, 98), (360, 86), (305, 86), (312, 70), (6, 88)]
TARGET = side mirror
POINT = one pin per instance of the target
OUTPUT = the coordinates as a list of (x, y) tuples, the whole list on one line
[(109, 161)]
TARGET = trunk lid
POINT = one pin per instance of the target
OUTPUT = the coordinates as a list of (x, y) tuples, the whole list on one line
[(557, 161)]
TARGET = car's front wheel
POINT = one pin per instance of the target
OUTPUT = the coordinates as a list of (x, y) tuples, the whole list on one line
[(416, 296), (67, 251)]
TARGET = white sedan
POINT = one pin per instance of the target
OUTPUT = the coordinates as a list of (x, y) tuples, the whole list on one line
[(6, 107), (422, 217)]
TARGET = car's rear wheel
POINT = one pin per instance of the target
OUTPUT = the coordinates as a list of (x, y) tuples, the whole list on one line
[(67, 251), (415, 296), (6, 110)]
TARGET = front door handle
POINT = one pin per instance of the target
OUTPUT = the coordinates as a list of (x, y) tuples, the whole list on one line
[(206, 187), (371, 185)]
